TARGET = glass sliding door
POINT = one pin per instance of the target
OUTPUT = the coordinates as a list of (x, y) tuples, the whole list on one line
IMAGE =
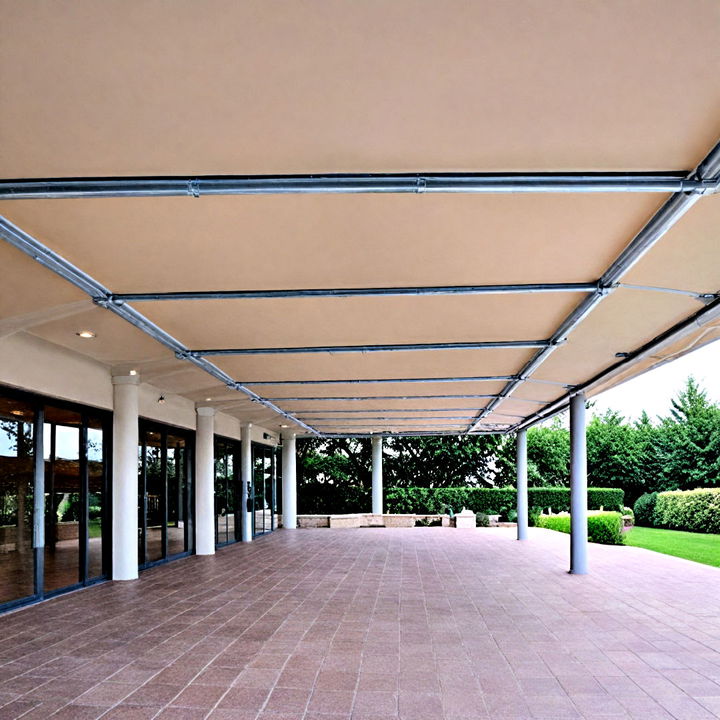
[(75, 493), (264, 489), (227, 492), (164, 494), (54, 478), (17, 450)]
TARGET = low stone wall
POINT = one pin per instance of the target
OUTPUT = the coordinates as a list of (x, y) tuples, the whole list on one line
[(357, 520)]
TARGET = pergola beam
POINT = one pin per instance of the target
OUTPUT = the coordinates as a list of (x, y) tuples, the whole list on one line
[(197, 186), (519, 288), (401, 347)]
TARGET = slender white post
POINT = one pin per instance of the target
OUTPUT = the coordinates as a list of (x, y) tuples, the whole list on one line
[(289, 482), (522, 486), (205, 482), (246, 480), (578, 487), (125, 477), (377, 477)]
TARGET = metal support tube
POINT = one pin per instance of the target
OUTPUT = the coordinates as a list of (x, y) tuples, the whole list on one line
[(521, 288), (578, 487), (198, 186), (522, 486), (377, 476), (354, 398), (403, 347), (355, 381)]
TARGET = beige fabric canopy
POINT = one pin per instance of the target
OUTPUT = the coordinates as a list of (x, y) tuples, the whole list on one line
[(133, 89)]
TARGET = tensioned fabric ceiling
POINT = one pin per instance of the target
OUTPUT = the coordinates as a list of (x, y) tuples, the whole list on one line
[(468, 311)]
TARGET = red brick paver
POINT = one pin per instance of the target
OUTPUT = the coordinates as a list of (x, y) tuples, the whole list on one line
[(377, 623)]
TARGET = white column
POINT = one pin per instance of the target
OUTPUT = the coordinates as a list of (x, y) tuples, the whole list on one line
[(522, 486), (205, 482), (578, 487), (125, 478), (377, 478), (246, 478), (289, 482)]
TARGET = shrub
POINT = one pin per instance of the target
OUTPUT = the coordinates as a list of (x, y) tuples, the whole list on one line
[(693, 510), (482, 520), (493, 501), (644, 509), (605, 527)]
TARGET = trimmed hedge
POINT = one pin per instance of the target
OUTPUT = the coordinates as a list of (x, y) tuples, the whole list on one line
[(605, 528), (493, 501), (692, 510)]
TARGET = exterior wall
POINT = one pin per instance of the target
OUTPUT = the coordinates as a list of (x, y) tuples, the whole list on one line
[(28, 363)]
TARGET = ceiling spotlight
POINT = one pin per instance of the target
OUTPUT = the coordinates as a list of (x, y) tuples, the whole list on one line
[(284, 426), (85, 334), (161, 400), (16, 412), (208, 399), (133, 372)]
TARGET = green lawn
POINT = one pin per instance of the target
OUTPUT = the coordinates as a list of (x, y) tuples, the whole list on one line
[(699, 547)]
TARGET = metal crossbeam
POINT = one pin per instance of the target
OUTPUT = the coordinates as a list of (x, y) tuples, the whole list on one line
[(520, 288), (475, 378), (353, 183), (660, 223), (402, 347), (353, 398), (343, 420), (471, 410)]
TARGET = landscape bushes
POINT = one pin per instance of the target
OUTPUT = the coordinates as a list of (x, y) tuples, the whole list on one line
[(605, 528), (492, 501), (693, 510)]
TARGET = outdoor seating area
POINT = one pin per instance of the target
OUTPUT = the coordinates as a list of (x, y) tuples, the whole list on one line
[(368, 624)]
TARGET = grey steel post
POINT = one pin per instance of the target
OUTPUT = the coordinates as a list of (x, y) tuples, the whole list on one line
[(578, 487), (377, 478), (522, 486)]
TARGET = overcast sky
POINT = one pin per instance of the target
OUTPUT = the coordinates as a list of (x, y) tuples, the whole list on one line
[(653, 390)]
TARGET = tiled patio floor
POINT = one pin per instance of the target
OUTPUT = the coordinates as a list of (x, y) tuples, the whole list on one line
[(377, 623)]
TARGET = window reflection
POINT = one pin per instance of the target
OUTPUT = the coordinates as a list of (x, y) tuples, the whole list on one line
[(16, 499)]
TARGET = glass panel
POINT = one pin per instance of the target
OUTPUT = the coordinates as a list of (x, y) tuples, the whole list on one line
[(96, 484), (176, 490), (221, 493), (154, 496), (16, 499), (258, 490), (268, 491), (63, 499)]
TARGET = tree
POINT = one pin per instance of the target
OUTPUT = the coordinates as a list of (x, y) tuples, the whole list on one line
[(548, 452), (689, 441), (615, 454), (441, 461)]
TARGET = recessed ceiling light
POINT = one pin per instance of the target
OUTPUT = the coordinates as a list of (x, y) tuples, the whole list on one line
[(161, 400), (85, 334), (208, 399), (284, 426), (133, 372), (16, 412)]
